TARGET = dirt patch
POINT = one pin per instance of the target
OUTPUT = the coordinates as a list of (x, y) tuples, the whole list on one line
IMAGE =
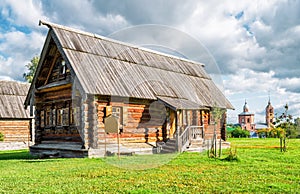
[(258, 146)]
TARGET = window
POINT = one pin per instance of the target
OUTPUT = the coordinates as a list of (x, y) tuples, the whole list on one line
[(48, 120), (42, 115), (63, 117), (53, 120), (59, 117), (248, 120), (62, 67), (243, 121)]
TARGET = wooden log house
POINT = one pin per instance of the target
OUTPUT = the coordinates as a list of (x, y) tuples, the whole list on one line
[(15, 121), (83, 78)]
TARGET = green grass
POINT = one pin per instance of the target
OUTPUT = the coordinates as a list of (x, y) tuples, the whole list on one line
[(262, 169)]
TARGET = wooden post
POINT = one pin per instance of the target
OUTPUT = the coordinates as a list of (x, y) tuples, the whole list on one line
[(280, 144), (284, 145), (208, 146), (105, 149), (118, 139), (215, 141), (177, 139), (220, 148)]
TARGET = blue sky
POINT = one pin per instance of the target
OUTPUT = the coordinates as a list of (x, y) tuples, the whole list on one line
[(255, 44)]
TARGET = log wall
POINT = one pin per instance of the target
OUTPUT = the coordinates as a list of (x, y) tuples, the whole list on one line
[(58, 129), (15, 130), (141, 121)]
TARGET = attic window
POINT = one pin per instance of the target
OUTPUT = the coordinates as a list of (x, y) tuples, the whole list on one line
[(60, 71), (62, 67)]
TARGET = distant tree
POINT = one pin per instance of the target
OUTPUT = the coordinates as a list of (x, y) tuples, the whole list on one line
[(239, 132), (31, 67)]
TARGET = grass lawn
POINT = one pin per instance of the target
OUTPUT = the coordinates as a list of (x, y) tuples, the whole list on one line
[(262, 169)]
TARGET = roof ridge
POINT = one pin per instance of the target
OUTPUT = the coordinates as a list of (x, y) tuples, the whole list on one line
[(94, 35), (54, 25)]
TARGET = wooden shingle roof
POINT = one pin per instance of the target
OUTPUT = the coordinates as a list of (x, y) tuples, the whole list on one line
[(107, 67), (12, 97)]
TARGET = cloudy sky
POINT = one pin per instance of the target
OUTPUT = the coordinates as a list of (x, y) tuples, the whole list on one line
[(254, 43)]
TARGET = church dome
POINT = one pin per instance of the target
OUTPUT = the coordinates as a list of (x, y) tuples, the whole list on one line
[(269, 105), (246, 107)]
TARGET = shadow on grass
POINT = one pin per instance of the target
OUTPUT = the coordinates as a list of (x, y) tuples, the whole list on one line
[(16, 155), (24, 156)]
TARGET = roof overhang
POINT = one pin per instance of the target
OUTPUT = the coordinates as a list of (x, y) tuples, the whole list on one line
[(181, 104)]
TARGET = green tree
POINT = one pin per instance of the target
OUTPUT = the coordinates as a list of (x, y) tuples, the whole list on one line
[(217, 114), (239, 132), (284, 122), (31, 67)]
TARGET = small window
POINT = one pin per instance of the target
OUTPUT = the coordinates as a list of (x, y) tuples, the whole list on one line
[(42, 115), (62, 67), (48, 120), (248, 120), (63, 117), (53, 119)]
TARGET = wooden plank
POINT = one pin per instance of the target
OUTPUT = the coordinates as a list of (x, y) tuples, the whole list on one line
[(51, 67)]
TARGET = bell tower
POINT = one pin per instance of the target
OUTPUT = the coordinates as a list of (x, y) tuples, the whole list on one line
[(246, 119), (269, 114)]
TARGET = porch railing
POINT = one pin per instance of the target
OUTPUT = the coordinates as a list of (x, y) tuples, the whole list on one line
[(190, 132)]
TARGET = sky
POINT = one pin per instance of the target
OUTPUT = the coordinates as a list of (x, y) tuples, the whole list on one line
[(255, 44)]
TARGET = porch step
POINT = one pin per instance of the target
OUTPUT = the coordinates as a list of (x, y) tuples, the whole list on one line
[(168, 147), (197, 145), (73, 150)]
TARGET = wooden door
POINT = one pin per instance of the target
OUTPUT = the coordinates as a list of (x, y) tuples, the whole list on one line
[(172, 123)]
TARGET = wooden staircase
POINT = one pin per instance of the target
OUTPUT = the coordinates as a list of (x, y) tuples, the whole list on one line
[(190, 140)]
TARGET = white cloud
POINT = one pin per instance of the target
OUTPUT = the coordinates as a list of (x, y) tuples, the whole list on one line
[(247, 80), (291, 84), (24, 13), (255, 43), (17, 42), (19, 49), (83, 15)]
